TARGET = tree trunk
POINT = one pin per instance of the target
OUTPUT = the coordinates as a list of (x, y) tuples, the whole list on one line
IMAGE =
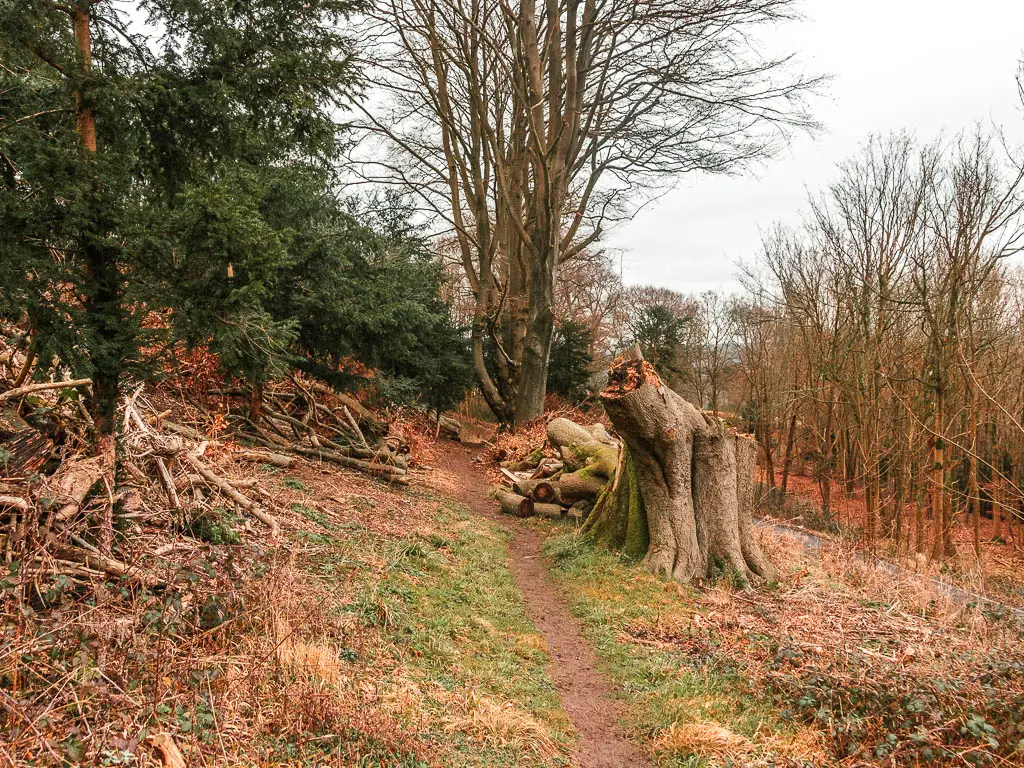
[(787, 457), (516, 505), (679, 482), (533, 376), (763, 436)]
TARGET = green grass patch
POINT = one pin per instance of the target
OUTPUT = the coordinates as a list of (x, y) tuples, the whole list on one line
[(667, 686), (451, 616)]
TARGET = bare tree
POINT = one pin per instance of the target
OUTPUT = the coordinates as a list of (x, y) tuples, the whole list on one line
[(528, 128)]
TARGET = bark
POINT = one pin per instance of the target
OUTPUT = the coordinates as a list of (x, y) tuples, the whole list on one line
[(787, 456), (516, 505), (618, 520), (579, 448), (581, 485), (549, 510), (228, 490), (680, 475)]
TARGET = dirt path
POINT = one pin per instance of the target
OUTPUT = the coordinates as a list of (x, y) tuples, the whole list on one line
[(585, 693)]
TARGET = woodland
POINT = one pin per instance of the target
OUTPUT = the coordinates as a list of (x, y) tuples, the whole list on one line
[(331, 433)]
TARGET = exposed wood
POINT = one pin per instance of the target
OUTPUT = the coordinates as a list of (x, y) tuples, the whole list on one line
[(168, 752), (538, 490), (25, 453), (510, 476)]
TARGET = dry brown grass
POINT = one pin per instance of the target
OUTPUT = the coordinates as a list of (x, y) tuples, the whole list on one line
[(500, 724), (703, 739)]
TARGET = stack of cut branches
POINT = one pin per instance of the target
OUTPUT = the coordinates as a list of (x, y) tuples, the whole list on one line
[(311, 420), (63, 522), (564, 476)]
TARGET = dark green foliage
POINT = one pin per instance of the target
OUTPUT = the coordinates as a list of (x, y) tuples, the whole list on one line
[(210, 199), (180, 95), (660, 332), (215, 526), (570, 361)]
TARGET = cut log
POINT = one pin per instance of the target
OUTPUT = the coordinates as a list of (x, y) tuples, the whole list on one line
[(522, 466), (515, 505), (538, 490), (549, 510), (679, 484), (579, 449), (450, 428), (546, 468), (580, 485)]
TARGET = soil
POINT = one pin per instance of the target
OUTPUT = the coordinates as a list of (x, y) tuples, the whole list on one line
[(585, 692)]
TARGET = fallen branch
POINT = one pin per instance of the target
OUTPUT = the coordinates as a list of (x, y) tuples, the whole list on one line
[(383, 471), (232, 493), (32, 388)]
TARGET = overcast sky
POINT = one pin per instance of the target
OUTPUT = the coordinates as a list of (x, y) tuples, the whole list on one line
[(928, 66)]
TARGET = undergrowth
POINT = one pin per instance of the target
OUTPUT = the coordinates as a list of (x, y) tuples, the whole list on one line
[(384, 630), (839, 663)]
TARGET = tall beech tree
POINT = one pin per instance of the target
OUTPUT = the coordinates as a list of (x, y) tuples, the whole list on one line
[(527, 127)]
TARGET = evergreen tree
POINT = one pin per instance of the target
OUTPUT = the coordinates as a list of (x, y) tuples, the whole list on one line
[(660, 332), (113, 128), (569, 367)]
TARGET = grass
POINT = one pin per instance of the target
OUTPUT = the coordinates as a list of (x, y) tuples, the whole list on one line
[(457, 661), (685, 703)]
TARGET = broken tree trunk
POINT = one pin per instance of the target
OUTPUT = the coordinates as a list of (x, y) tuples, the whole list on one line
[(679, 484)]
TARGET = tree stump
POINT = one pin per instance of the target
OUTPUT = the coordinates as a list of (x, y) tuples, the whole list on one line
[(682, 496)]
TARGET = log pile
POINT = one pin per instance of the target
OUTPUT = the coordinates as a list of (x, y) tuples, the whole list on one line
[(310, 420), (564, 476), (61, 512)]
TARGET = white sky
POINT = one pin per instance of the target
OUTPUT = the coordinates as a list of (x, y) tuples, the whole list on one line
[(928, 66)]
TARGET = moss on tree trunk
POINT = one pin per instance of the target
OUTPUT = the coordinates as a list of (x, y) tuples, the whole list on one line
[(618, 520)]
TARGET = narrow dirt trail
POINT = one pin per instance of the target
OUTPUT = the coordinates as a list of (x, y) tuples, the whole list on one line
[(585, 693)]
